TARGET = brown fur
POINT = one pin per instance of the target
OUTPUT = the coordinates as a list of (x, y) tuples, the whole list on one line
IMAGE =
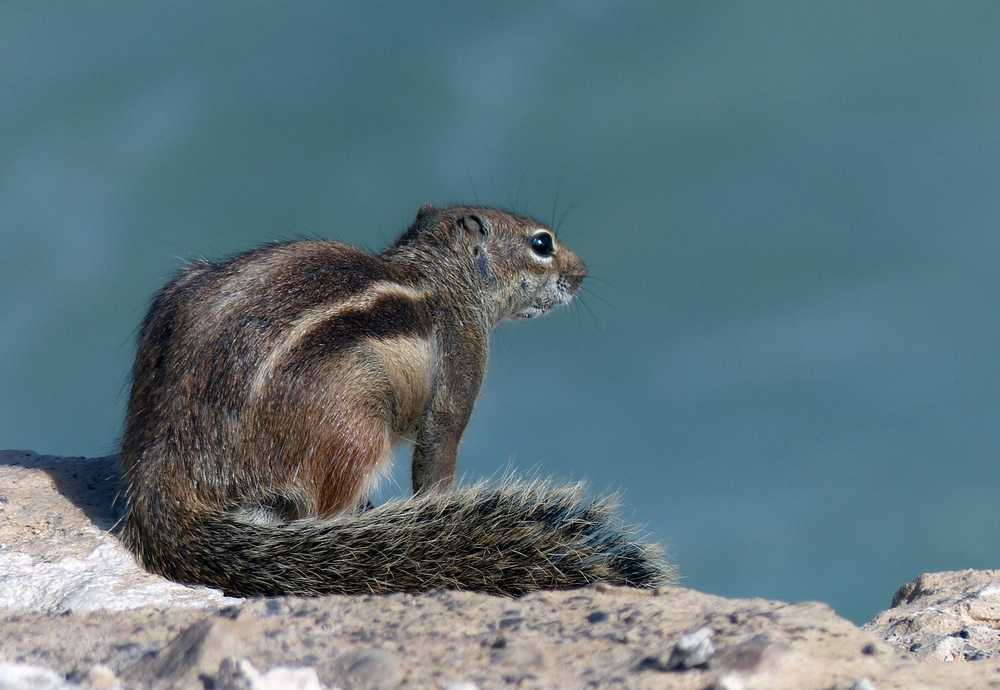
[(270, 390)]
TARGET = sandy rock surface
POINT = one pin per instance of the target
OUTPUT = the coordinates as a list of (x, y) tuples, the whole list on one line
[(75, 611), (945, 616), (56, 553)]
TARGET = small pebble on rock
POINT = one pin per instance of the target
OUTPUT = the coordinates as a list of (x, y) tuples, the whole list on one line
[(694, 649), (240, 674), (370, 669), (728, 681), (100, 677)]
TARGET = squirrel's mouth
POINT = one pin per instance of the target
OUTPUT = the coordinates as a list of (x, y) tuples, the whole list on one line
[(551, 294), (544, 303), (531, 311)]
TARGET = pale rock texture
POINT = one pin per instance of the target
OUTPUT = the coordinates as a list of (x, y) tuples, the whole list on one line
[(25, 676), (56, 553), (75, 612), (240, 674), (953, 616)]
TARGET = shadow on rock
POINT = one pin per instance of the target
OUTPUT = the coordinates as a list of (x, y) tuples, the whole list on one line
[(94, 485)]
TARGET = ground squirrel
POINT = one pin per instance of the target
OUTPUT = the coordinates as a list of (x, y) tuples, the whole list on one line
[(269, 391)]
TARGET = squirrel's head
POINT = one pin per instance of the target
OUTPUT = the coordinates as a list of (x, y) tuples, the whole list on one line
[(517, 265)]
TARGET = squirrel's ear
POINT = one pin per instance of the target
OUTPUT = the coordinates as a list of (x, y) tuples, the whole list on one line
[(476, 231), (475, 227), (424, 210)]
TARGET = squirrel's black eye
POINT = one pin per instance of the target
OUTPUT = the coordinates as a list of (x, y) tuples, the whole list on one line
[(542, 245)]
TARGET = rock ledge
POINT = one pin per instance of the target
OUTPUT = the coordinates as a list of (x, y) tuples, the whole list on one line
[(75, 611)]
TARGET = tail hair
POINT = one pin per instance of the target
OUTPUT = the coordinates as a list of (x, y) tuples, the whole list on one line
[(507, 538)]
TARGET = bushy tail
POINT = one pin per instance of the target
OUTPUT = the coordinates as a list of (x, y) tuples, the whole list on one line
[(506, 539)]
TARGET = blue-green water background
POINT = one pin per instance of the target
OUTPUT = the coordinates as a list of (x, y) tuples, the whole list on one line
[(790, 211)]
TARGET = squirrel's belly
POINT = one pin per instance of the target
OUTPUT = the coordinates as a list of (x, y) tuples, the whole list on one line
[(411, 365)]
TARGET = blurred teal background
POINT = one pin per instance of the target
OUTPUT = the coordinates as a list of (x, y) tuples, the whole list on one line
[(789, 351)]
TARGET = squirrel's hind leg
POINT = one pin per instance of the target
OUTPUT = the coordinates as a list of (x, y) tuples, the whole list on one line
[(350, 465)]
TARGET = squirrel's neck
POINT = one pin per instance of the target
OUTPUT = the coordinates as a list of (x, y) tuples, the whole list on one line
[(454, 284)]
